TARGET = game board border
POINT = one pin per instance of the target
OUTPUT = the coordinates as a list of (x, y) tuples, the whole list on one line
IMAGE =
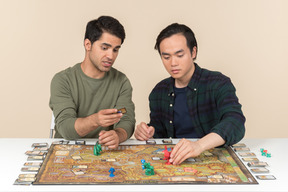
[(237, 160)]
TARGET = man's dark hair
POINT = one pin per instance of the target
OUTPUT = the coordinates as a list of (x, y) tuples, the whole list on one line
[(95, 28), (176, 28)]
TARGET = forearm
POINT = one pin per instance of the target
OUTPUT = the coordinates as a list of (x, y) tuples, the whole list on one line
[(209, 141), (85, 125)]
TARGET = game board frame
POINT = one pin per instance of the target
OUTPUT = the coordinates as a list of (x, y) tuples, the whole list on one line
[(229, 149)]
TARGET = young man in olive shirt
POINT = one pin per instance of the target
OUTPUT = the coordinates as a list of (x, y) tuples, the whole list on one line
[(85, 97)]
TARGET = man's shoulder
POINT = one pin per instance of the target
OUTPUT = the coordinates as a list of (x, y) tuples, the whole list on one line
[(68, 72), (209, 75)]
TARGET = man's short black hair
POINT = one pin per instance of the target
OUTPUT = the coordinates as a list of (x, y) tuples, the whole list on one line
[(95, 28), (176, 28)]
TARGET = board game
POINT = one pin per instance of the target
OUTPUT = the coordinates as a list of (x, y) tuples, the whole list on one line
[(76, 164)]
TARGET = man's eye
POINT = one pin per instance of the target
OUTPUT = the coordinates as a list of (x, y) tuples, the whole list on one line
[(180, 55), (115, 50), (166, 58), (104, 48)]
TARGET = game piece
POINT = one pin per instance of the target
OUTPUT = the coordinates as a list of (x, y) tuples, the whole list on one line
[(143, 161), (111, 171), (149, 170), (122, 110), (268, 155), (265, 177), (97, 149), (156, 158), (167, 155)]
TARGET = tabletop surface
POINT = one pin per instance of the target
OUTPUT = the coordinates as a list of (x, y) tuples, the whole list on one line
[(13, 157)]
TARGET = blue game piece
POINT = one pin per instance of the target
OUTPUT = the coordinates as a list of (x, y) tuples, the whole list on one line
[(111, 171), (143, 161)]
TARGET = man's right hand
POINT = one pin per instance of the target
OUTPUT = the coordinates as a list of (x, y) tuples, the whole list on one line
[(144, 132), (103, 118), (107, 117)]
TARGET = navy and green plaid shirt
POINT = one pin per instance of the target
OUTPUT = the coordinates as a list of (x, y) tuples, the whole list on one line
[(212, 105)]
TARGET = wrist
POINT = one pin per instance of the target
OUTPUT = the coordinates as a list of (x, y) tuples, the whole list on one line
[(122, 135)]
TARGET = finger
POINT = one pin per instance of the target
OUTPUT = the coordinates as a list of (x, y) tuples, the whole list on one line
[(108, 111), (175, 151), (141, 132), (183, 154)]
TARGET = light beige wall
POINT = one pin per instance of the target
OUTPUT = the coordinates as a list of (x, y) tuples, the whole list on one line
[(244, 39)]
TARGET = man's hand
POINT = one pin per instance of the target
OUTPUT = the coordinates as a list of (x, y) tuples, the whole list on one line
[(103, 118), (107, 117), (112, 138), (109, 138), (184, 150), (144, 132)]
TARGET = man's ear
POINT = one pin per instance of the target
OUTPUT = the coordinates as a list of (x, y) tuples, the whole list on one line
[(194, 52), (87, 44)]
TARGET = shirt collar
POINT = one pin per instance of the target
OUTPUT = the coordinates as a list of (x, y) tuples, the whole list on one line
[(193, 83)]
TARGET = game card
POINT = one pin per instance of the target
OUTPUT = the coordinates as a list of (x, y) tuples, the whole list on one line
[(40, 145), (35, 153), (257, 164), (40, 149), (80, 142), (265, 177), (241, 149), (239, 145), (35, 158), (246, 154), (169, 141), (22, 182), (30, 169), (260, 170), (150, 142), (33, 164), (76, 157), (250, 159), (26, 175), (122, 110)]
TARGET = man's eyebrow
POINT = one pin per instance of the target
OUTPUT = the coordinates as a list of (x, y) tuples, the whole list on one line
[(163, 53), (177, 52), (180, 51), (109, 45)]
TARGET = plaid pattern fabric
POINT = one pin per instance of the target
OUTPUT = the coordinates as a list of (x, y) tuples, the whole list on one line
[(212, 104)]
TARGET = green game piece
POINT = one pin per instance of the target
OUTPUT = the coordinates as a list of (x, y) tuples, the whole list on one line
[(268, 154), (263, 154), (261, 150), (97, 149)]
